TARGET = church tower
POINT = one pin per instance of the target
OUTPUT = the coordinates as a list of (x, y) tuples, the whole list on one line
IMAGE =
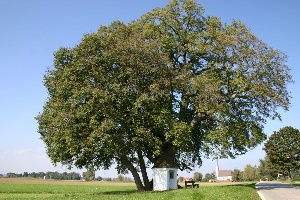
[(217, 169)]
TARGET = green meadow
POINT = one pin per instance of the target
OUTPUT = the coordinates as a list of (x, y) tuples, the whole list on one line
[(50, 189)]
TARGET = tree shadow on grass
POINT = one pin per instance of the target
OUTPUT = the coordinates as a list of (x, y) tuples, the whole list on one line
[(129, 192), (296, 184), (251, 185), (248, 185), (121, 192), (93, 195)]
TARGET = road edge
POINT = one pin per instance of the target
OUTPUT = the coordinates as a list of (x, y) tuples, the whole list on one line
[(259, 193)]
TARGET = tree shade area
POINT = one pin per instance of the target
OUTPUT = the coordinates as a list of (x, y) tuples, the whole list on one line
[(283, 150), (165, 90)]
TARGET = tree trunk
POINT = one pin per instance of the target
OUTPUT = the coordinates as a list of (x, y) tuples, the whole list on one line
[(144, 172), (167, 158), (289, 176), (134, 173)]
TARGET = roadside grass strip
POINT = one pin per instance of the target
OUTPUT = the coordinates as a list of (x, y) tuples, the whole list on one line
[(112, 191)]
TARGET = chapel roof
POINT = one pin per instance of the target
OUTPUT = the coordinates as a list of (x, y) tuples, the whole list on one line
[(224, 173)]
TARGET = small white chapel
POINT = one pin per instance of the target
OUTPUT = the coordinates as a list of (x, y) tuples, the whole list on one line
[(223, 175)]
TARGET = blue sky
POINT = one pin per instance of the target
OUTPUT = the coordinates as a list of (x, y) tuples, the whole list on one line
[(30, 31)]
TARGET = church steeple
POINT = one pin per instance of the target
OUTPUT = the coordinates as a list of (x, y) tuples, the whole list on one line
[(217, 169)]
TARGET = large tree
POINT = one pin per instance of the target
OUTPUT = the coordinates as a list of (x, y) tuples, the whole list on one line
[(249, 173), (237, 175), (197, 176), (162, 91), (266, 170), (283, 150)]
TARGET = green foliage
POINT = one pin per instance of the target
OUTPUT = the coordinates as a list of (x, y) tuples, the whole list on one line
[(197, 176), (249, 173), (62, 176), (209, 176), (237, 175), (165, 90), (89, 175), (267, 170), (121, 178), (180, 179), (297, 176), (283, 150)]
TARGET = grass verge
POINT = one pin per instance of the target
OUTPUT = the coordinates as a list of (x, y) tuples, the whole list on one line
[(297, 183), (32, 189)]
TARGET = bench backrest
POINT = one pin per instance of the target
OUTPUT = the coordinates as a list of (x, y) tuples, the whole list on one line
[(189, 181)]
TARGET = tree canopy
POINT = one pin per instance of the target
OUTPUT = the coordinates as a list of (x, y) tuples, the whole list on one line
[(267, 170), (197, 176), (237, 175), (163, 91), (249, 173), (283, 150)]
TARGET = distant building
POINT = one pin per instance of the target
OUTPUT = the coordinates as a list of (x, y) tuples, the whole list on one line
[(223, 175), (187, 179)]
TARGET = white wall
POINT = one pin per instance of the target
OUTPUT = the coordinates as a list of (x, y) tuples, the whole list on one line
[(225, 178), (164, 178)]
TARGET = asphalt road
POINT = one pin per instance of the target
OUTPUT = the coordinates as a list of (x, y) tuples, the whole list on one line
[(269, 190)]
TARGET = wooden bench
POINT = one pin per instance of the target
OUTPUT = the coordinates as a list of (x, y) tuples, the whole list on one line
[(190, 184)]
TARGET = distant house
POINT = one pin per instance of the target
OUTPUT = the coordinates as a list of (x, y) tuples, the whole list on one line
[(223, 175), (187, 179)]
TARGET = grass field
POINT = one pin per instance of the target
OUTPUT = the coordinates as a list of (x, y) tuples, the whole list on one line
[(18, 188), (297, 183)]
